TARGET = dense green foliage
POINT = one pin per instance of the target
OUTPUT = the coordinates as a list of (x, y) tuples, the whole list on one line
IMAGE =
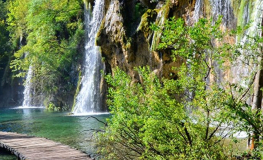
[(48, 34), (183, 118), (149, 123), (5, 48), (186, 118)]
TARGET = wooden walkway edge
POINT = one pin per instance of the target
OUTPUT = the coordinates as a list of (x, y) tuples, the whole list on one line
[(34, 148)]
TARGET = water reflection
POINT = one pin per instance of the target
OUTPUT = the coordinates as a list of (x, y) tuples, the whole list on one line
[(71, 130), (6, 155)]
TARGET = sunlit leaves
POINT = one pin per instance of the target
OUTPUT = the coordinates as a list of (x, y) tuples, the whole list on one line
[(149, 121), (46, 34)]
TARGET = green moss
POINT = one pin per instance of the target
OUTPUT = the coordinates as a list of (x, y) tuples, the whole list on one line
[(240, 20), (207, 7), (161, 18), (240, 13), (98, 35), (77, 90), (52, 107), (86, 2), (147, 18), (235, 5), (139, 11), (132, 20), (128, 45)]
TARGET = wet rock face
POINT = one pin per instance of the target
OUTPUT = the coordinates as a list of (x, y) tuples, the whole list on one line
[(119, 49), (113, 40), (127, 41)]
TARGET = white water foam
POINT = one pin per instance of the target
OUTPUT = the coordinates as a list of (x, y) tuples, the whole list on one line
[(91, 114), (28, 107)]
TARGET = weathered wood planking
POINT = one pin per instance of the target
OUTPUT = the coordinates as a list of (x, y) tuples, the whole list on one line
[(34, 148)]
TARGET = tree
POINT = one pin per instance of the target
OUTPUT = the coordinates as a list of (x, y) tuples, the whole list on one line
[(257, 97), (172, 119), (5, 47), (51, 31), (185, 118)]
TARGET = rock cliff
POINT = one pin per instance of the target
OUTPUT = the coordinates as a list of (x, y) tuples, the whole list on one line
[(127, 41)]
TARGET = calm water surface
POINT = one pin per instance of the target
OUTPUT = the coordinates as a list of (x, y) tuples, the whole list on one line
[(60, 127)]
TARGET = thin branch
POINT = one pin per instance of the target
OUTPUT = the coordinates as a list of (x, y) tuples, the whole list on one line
[(212, 134), (181, 133), (209, 69), (98, 120), (187, 134), (207, 124), (94, 130), (127, 146), (221, 139), (248, 88)]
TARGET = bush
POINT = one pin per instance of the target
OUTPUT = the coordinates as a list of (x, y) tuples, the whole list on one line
[(149, 123), (185, 118)]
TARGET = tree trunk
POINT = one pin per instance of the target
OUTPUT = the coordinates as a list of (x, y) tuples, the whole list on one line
[(257, 96)]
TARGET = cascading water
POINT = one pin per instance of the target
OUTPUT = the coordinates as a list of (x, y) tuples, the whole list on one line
[(27, 102), (223, 8), (89, 98), (198, 10), (255, 17), (239, 70)]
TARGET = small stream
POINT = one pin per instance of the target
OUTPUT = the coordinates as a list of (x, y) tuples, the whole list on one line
[(57, 126)]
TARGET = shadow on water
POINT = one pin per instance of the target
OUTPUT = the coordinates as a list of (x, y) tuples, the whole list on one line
[(6, 155)]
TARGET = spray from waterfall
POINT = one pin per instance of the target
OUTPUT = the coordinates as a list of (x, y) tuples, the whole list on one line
[(89, 97)]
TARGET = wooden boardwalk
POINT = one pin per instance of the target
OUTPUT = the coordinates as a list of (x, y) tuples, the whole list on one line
[(34, 148)]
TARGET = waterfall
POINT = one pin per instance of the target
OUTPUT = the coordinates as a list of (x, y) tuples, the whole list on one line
[(240, 70), (27, 102), (88, 99), (256, 18), (198, 10), (223, 8)]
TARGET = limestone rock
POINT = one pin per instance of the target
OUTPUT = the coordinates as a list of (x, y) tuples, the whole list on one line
[(139, 48)]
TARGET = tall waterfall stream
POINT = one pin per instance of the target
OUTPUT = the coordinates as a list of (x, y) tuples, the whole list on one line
[(89, 99), (27, 102)]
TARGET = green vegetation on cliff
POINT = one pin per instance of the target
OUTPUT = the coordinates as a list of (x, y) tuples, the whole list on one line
[(188, 117), (5, 49)]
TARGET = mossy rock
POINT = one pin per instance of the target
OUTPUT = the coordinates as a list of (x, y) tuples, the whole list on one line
[(77, 91), (162, 16), (147, 18)]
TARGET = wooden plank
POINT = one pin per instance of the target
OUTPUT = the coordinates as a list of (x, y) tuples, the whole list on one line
[(34, 148)]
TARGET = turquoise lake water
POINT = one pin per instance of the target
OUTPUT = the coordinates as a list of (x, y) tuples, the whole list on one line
[(57, 126)]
